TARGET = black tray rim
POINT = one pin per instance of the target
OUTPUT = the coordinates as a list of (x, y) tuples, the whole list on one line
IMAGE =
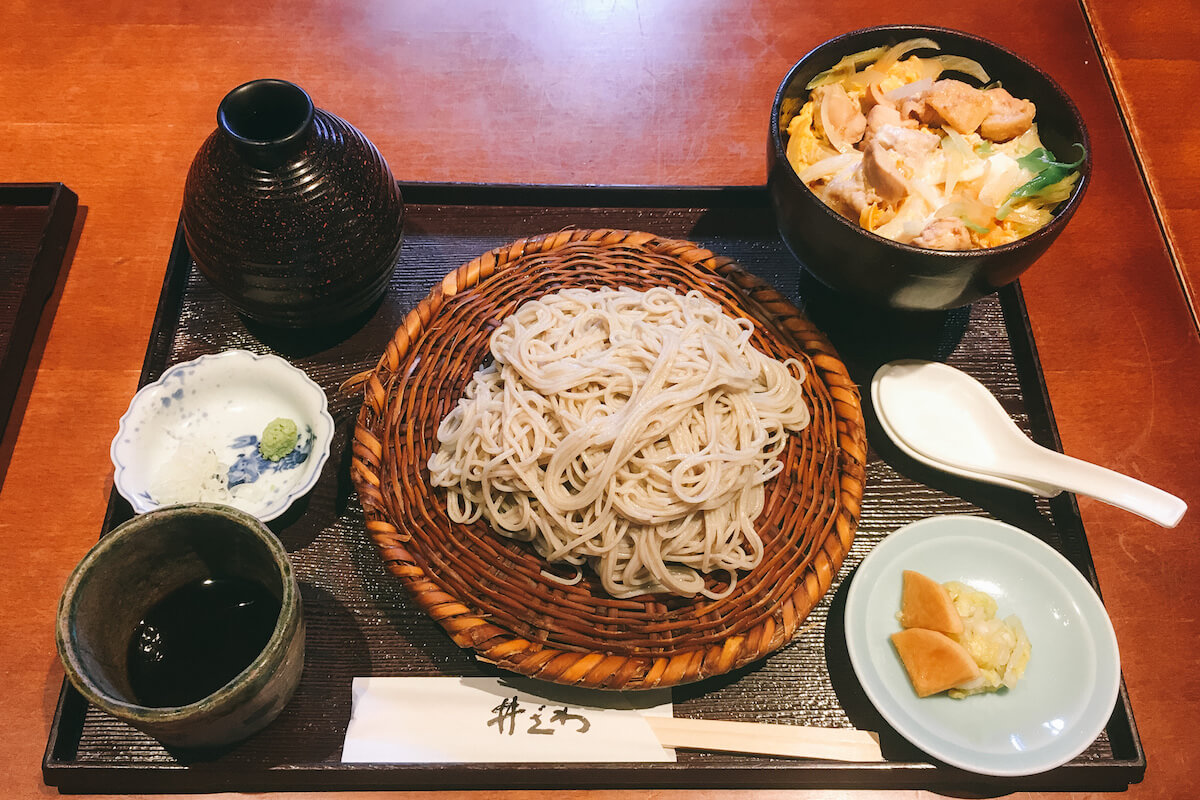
[(68, 776), (61, 205)]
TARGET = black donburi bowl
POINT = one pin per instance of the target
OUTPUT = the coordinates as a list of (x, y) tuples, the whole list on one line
[(880, 271)]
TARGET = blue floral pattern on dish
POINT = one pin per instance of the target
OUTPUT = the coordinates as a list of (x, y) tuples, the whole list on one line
[(251, 464), (208, 403)]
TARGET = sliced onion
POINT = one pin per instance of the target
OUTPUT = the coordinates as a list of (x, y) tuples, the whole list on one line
[(958, 153), (830, 166), (966, 66), (930, 68), (845, 67), (1026, 218), (898, 51), (902, 93), (958, 142), (861, 80), (833, 135), (1002, 177), (968, 209), (921, 189), (1058, 192)]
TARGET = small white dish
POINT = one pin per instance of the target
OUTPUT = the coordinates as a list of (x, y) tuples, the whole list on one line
[(207, 415), (1069, 689), (882, 401)]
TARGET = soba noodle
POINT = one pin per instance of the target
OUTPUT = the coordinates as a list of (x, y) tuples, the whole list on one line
[(629, 430)]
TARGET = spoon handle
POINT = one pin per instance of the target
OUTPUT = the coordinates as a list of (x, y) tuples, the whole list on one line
[(1114, 488)]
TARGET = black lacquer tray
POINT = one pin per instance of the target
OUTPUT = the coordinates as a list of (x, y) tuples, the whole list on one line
[(35, 227), (360, 621)]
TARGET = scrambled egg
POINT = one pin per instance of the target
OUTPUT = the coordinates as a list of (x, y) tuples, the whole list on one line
[(901, 73), (804, 146), (999, 647)]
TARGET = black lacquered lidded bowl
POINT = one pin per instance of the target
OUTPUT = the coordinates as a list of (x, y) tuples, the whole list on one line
[(877, 270), (289, 211)]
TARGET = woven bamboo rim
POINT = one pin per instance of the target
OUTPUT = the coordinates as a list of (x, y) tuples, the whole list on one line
[(489, 593)]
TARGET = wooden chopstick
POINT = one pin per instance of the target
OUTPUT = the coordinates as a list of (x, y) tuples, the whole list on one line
[(796, 741)]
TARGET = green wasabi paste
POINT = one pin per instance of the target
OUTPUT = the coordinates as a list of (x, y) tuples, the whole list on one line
[(278, 439)]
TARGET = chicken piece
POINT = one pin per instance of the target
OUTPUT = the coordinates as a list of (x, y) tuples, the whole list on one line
[(945, 233), (848, 195), (890, 145), (916, 112), (878, 118), (842, 114), (882, 116), (881, 168), (962, 107), (910, 144), (1009, 116)]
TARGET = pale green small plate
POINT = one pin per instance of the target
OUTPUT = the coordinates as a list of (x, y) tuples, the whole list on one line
[(1068, 691)]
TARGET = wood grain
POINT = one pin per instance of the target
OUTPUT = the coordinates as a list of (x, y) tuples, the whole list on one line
[(1151, 53), (114, 98)]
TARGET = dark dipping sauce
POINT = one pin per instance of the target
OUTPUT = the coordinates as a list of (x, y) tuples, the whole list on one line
[(198, 638)]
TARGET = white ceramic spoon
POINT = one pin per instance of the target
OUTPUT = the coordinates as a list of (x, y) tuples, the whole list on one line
[(955, 424), (902, 446)]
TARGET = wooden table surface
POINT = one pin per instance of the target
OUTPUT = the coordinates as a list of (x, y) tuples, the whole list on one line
[(114, 98)]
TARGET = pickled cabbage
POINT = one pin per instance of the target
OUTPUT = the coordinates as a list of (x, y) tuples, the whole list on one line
[(999, 646)]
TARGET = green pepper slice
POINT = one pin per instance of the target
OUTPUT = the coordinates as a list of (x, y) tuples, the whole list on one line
[(1048, 172)]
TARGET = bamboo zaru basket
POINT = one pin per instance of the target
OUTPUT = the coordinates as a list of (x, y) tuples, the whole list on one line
[(491, 594)]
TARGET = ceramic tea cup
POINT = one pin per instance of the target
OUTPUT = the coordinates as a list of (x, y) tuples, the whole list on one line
[(185, 622)]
